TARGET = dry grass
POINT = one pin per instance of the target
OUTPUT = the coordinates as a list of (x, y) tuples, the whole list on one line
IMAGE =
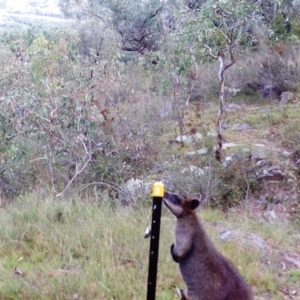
[(75, 250)]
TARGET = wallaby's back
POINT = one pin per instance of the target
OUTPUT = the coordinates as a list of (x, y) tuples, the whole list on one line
[(208, 275)]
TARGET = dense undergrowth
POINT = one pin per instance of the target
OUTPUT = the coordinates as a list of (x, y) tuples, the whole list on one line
[(72, 116)]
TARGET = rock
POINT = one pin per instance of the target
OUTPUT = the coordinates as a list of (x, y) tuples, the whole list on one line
[(229, 145), (271, 174), (245, 147), (286, 97), (231, 90), (259, 155), (286, 153), (234, 158), (233, 107), (270, 216), (197, 152), (229, 160), (226, 235), (193, 170), (188, 139), (293, 258), (252, 240), (262, 162), (187, 179), (248, 240), (240, 127), (212, 133), (133, 190)]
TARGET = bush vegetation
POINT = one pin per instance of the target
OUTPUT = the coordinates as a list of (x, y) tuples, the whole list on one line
[(73, 112), (83, 110)]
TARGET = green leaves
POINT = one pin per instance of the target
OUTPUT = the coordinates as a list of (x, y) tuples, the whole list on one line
[(214, 27)]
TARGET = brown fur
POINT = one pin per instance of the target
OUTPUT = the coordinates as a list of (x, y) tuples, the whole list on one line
[(208, 275)]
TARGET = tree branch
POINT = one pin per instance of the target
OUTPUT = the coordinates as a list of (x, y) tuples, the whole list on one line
[(210, 52), (47, 120), (89, 157)]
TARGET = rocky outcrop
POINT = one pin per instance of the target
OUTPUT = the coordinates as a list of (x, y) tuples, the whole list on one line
[(286, 97), (134, 190)]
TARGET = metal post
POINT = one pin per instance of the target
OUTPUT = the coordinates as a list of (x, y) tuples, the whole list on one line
[(157, 194)]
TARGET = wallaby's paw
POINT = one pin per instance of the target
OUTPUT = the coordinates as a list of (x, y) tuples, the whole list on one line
[(173, 253), (181, 294)]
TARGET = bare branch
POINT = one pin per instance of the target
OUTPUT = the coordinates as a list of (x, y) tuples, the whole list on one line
[(78, 171), (33, 112), (54, 110), (153, 15), (208, 185), (111, 185), (210, 52), (223, 33)]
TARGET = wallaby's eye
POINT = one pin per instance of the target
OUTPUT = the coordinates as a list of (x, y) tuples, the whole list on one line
[(176, 199)]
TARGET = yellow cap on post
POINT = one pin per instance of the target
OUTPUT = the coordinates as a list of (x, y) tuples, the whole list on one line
[(158, 190)]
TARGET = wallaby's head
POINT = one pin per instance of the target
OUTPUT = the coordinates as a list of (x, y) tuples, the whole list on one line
[(181, 206)]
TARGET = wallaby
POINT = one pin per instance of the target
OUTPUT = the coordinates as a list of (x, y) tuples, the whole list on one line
[(208, 275)]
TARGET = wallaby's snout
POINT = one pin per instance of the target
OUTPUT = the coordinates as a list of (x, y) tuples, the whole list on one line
[(180, 205)]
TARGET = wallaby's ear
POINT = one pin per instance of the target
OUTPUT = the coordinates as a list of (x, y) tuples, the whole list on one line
[(197, 196), (195, 201)]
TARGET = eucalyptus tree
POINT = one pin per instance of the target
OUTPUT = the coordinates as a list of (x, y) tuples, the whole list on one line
[(215, 30), (137, 22)]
